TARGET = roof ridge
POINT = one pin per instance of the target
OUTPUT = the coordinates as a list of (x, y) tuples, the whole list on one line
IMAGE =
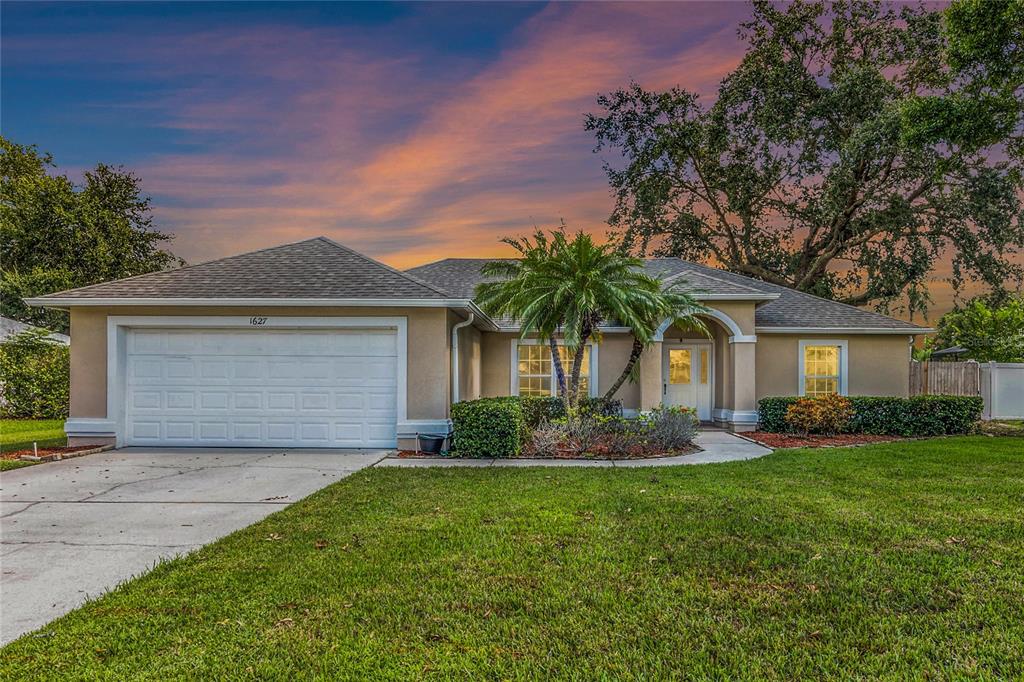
[(187, 266), (406, 275), (797, 292), (717, 279)]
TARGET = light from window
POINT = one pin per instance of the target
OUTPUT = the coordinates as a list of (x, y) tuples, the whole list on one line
[(679, 366), (821, 370), (537, 372), (703, 366)]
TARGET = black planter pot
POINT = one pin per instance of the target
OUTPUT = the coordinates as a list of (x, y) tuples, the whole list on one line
[(431, 443)]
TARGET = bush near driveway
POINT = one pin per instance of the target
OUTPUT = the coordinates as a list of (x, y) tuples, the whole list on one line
[(34, 377), (922, 415), (489, 427), (802, 565)]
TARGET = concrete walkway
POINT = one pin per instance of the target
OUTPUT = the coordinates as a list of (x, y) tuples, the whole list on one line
[(716, 446), (74, 529)]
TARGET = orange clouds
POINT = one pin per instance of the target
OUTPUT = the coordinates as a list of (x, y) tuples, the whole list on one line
[(410, 162)]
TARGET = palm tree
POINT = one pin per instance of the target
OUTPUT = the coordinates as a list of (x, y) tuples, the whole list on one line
[(572, 285), (679, 307)]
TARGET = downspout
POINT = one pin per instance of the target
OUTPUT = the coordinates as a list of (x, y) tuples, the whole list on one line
[(455, 355)]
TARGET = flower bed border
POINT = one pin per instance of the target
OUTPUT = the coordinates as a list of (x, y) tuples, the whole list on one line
[(779, 441)]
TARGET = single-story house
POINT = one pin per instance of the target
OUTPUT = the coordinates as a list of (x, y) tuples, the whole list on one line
[(315, 345)]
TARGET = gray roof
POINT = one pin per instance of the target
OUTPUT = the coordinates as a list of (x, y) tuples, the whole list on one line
[(790, 309), (9, 328), (313, 269)]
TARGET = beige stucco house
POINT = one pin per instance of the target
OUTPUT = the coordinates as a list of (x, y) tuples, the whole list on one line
[(315, 345)]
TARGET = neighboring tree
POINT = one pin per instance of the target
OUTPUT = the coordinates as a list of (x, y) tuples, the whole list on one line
[(855, 145), (569, 287), (34, 377), (986, 332), (55, 235)]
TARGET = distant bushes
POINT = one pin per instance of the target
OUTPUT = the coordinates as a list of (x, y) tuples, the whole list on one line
[(923, 415), (34, 377)]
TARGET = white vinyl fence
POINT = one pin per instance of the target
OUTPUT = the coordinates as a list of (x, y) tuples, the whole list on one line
[(1002, 387)]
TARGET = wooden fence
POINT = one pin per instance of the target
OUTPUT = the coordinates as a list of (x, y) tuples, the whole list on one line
[(945, 378)]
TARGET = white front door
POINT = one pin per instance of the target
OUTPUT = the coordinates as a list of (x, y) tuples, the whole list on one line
[(261, 388), (687, 376)]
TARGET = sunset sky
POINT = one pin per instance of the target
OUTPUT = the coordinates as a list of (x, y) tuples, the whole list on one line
[(411, 132)]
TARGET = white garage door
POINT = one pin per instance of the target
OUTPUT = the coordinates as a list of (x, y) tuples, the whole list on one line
[(253, 388)]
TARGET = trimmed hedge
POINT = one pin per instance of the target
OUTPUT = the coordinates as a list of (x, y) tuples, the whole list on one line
[(489, 427), (921, 415)]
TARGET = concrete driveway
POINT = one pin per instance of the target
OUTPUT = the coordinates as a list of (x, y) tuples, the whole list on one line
[(74, 529)]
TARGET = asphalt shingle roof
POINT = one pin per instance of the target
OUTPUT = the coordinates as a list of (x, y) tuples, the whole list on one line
[(313, 269), (323, 269), (791, 308)]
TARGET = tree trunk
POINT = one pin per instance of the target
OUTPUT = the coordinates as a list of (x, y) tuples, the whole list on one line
[(634, 356), (556, 360), (577, 365)]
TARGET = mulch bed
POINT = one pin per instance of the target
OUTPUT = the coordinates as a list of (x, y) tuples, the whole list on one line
[(47, 453), (791, 440)]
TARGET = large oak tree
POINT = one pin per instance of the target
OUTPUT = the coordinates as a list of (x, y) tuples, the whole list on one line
[(854, 147), (56, 234)]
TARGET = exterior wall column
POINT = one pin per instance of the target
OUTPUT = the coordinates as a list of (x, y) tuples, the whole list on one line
[(744, 389), (650, 377)]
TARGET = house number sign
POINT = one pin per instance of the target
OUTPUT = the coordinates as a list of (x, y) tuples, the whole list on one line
[(257, 321)]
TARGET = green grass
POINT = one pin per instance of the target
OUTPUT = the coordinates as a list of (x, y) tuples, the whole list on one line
[(11, 464), (18, 434), (897, 561)]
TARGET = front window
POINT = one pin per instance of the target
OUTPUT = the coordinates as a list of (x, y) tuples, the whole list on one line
[(821, 370), (536, 372)]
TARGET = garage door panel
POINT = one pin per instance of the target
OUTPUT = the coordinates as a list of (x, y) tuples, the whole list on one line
[(179, 430), (259, 387)]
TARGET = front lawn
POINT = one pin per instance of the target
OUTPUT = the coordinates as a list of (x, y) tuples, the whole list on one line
[(902, 560), (18, 434)]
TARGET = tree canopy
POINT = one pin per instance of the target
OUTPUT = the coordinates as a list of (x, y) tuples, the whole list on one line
[(986, 331), (57, 235), (855, 147)]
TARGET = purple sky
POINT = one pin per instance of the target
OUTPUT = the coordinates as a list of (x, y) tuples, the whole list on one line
[(410, 132)]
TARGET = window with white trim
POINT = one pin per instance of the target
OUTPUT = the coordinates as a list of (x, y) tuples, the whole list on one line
[(822, 368), (535, 373)]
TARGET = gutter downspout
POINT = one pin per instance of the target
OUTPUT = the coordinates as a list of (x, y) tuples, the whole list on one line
[(455, 355)]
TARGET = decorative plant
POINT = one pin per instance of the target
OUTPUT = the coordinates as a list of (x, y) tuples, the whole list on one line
[(569, 286), (827, 414)]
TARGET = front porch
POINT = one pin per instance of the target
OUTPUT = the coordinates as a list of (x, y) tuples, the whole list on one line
[(715, 375)]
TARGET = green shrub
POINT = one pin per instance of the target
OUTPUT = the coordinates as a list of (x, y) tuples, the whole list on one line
[(772, 413), (540, 409), (489, 427), (34, 377), (923, 415)]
